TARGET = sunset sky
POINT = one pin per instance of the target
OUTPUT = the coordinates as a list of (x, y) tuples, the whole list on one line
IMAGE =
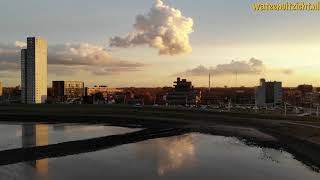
[(102, 42)]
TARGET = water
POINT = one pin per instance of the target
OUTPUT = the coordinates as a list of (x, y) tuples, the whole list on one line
[(191, 156), (30, 134)]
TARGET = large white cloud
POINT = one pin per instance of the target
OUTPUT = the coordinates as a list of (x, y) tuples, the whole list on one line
[(163, 28)]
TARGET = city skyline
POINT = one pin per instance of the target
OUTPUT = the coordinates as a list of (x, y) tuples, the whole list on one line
[(82, 51), (159, 89)]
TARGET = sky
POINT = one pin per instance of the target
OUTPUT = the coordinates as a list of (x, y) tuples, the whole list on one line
[(148, 43)]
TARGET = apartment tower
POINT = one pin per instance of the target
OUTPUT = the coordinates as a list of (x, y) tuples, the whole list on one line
[(0, 88), (34, 68)]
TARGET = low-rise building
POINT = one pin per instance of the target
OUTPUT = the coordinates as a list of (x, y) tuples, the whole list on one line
[(11, 95), (304, 89), (268, 93), (63, 90), (105, 90), (222, 96)]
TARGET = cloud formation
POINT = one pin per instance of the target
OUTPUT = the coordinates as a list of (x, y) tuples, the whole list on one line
[(20, 44), (87, 57), (79, 54), (163, 28), (8, 58), (251, 67)]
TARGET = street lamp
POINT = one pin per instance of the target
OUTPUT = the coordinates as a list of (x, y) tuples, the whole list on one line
[(285, 109)]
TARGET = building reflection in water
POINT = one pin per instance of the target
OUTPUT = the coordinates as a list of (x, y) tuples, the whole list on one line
[(169, 154), (36, 135)]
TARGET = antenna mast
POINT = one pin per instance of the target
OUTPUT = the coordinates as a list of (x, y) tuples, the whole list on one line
[(209, 82), (236, 78)]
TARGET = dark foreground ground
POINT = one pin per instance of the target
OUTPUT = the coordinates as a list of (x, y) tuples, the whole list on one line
[(299, 136)]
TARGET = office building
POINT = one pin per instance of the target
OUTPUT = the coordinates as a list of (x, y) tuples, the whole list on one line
[(62, 90), (34, 71), (183, 94), (268, 94)]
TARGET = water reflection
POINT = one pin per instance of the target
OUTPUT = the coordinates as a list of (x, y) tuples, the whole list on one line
[(11, 134), (169, 154), (59, 127), (192, 156), (36, 135)]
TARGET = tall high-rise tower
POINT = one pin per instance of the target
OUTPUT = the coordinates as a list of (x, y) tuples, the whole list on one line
[(0, 88), (34, 68)]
